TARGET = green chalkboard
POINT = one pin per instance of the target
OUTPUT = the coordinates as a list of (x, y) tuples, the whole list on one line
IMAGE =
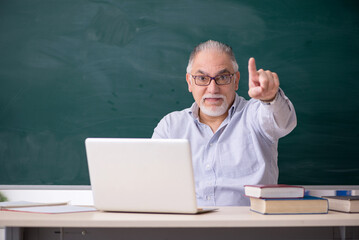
[(104, 68)]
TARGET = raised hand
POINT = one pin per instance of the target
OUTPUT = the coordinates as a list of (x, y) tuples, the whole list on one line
[(263, 85)]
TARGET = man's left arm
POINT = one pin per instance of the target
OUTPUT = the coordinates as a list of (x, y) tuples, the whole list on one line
[(276, 114)]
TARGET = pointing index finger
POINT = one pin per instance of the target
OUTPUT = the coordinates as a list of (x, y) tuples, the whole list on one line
[(252, 68)]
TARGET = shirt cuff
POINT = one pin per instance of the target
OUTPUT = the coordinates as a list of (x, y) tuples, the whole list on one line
[(273, 101), (279, 103)]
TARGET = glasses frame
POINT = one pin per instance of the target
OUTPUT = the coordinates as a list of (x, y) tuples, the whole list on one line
[(212, 78)]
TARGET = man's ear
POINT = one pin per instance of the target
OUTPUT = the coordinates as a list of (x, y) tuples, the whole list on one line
[(236, 81), (189, 82)]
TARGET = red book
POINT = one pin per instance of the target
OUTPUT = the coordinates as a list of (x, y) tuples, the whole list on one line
[(274, 191)]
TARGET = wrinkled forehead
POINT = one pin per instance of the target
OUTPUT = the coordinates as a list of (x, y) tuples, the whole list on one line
[(212, 62)]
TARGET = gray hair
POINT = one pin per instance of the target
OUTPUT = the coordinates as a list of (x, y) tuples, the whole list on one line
[(212, 45)]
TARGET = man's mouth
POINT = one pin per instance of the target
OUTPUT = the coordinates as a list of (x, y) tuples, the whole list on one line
[(212, 100)]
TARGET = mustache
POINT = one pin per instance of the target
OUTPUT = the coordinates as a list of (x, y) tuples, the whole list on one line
[(208, 95)]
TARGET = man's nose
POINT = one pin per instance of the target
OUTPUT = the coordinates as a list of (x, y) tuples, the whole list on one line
[(212, 87)]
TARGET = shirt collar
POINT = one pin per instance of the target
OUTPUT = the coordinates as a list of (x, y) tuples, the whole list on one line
[(193, 111)]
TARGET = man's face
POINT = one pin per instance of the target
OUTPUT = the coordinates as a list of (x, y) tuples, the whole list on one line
[(214, 100)]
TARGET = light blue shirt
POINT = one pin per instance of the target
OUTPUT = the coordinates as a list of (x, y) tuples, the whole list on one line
[(242, 151)]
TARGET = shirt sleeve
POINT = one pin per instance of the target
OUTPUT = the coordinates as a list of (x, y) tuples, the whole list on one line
[(161, 131), (277, 118)]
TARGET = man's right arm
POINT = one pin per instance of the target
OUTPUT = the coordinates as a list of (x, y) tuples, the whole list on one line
[(161, 131)]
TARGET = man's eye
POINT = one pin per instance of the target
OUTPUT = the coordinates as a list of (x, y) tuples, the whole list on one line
[(221, 77), (224, 78), (201, 78)]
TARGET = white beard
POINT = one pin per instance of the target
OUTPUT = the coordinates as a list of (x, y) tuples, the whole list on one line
[(214, 111)]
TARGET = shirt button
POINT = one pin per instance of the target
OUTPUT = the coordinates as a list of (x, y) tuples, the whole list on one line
[(208, 166), (208, 197)]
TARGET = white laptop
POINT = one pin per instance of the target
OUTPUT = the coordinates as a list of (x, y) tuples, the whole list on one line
[(142, 175)]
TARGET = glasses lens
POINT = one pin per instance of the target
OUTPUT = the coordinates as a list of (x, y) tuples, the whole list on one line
[(201, 80), (223, 79)]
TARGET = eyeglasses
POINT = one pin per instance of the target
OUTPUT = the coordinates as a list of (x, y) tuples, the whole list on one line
[(203, 80)]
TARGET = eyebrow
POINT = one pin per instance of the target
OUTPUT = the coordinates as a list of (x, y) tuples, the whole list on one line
[(218, 73)]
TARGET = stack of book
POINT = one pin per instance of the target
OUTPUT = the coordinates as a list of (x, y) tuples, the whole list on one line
[(347, 204), (283, 199)]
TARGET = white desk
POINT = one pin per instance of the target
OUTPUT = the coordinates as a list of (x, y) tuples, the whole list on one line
[(226, 223)]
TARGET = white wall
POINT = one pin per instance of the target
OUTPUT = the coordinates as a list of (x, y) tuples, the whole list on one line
[(75, 197), (84, 197)]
